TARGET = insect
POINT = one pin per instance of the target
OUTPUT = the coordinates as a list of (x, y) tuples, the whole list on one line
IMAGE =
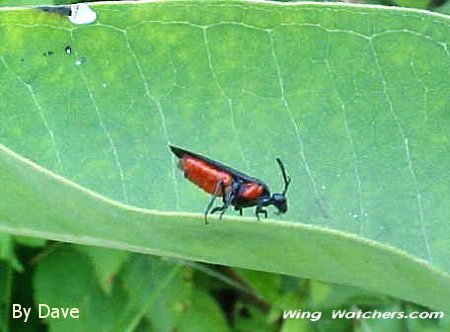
[(235, 188)]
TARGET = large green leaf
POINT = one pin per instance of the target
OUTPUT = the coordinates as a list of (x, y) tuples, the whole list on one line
[(353, 99), (57, 209)]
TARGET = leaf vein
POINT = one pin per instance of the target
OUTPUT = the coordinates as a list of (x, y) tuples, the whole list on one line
[(41, 114), (228, 99), (407, 153), (105, 131), (160, 112), (362, 214), (296, 127)]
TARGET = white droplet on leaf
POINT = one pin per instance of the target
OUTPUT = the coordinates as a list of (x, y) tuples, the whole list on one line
[(81, 13)]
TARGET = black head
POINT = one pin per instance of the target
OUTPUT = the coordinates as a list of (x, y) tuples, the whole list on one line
[(280, 202), (279, 199)]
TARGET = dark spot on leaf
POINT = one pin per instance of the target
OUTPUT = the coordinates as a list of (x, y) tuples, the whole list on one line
[(61, 10), (22, 59), (48, 53)]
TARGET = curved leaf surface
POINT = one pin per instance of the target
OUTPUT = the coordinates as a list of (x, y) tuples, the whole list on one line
[(41, 204)]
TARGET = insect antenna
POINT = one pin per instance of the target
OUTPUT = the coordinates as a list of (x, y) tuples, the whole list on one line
[(286, 178)]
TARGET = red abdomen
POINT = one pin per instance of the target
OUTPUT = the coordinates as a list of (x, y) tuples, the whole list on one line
[(204, 175), (251, 191)]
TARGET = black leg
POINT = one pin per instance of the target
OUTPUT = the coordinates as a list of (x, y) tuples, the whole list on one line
[(227, 199), (240, 212), (224, 208), (259, 210), (217, 208), (219, 185)]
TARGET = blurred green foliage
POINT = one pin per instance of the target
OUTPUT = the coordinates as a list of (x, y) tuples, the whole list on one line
[(133, 292)]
